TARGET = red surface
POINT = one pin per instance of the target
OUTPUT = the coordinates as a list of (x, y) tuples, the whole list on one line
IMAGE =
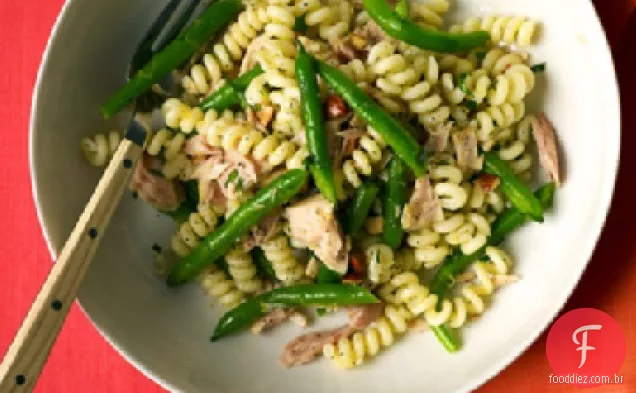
[(82, 361)]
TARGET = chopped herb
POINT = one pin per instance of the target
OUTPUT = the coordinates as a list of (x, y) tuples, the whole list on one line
[(538, 68), (321, 311), (257, 107), (472, 105), (155, 172), (156, 248), (232, 177), (239, 184), (300, 24), (480, 55), (494, 122), (462, 84)]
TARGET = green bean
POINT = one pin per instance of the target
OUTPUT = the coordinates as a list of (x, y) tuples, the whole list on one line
[(519, 195), (231, 94), (297, 295), (263, 264), (404, 30), (446, 338), (219, 242), (513, 218), (311, 108), (393, 202), (180, 49), (360, 206), (327, 276), (402, 143)]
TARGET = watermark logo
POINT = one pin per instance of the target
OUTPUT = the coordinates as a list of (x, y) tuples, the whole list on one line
[(586, 347)]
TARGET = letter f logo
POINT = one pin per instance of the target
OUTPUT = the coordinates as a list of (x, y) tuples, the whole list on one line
[(584, 347)]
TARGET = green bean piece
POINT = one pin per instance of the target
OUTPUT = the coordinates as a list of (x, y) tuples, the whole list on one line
[(446, 337), (212, 20), (231, 94), (327, 276), (399, 139), (519, 195), (219, 242), (394, 198), (263, 265), (360, 206), (512, 218), (296, 295), (312, 113), (404, 30)]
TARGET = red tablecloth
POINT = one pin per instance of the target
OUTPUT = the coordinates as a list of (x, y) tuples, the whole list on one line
[(82, 361)]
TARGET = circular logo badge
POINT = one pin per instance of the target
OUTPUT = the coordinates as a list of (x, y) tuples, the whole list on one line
[(585, 347)]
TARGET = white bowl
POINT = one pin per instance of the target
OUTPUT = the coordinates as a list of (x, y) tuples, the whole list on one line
[(165, 332)]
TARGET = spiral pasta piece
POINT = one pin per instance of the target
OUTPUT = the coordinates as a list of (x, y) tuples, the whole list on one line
[(191, 232), (517, 156), (242, 137), (405, 289), (242, 269), (512, 86), (369, 152), (430, 13), (99, 149), (496, 61), (286, 267), (179, 115), (429, 247), (207, 75), (331, 20), (454, 64), (217, 285), (498, 116), (350, 352), (507, 29), (447, 185), (470, 301), (391, 67), (171, 143), (471, 235)]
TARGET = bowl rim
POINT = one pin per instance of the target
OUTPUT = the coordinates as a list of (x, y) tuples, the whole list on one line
[(489, 373)]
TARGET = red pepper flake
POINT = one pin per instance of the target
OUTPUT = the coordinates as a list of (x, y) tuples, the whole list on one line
[(488, 182), (336, 107)]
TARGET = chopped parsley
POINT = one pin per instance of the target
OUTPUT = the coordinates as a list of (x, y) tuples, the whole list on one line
[(480, 55), (156, 248), (472, 105), (231, 177), (462, 84), (234, 178), (300, 24), (538, 68)]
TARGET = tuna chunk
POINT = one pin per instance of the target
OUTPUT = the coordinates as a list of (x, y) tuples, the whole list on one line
[(277, 317), (153, 188), (465, 144), (438, 138), (313, 223), (363, 315), (423, 208), (262, 232), (544, 135), (304, 349)]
